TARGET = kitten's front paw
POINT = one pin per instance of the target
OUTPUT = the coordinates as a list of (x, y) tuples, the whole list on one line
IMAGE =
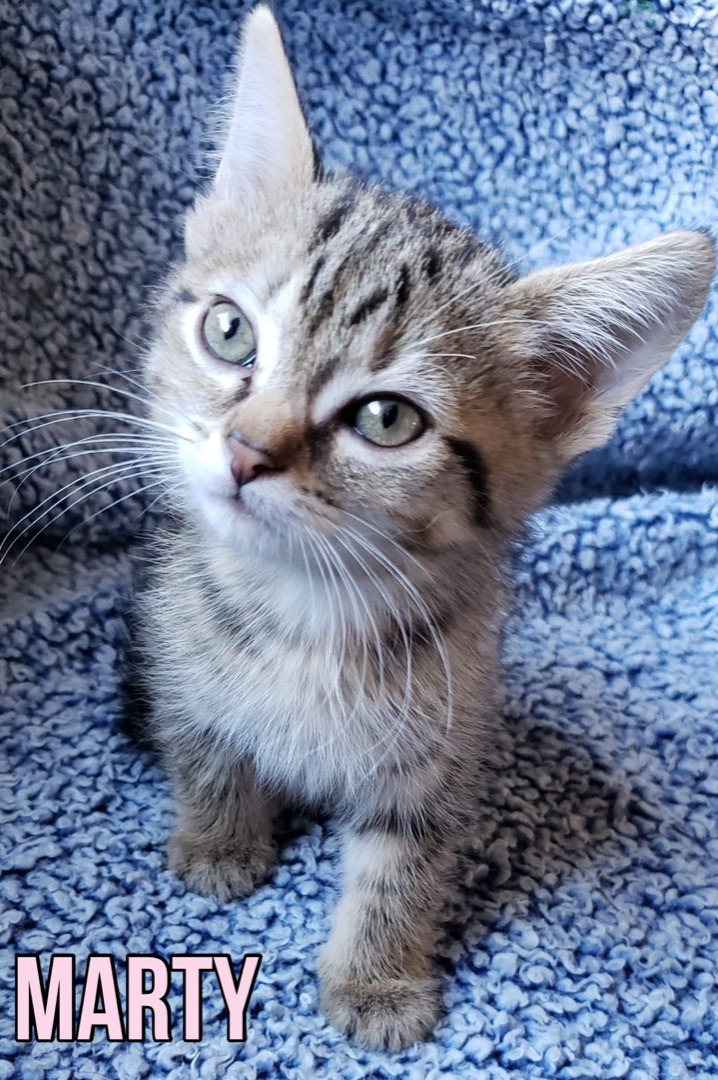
[(229, 872), (388, 1014)]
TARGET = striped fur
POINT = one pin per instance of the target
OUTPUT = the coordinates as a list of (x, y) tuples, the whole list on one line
[(329, 630)]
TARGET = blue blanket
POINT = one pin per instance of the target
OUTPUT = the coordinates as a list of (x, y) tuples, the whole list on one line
[(583, 937)]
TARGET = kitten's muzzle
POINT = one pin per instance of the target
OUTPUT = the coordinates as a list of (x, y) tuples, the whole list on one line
[(248, 462)]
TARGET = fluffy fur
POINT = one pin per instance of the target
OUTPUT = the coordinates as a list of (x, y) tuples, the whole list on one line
[(329, 629)]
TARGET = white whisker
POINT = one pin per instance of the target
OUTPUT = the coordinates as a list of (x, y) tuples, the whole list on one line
[(143, 399), (464, 329), (65, 415), (128, 474), (128, 495)]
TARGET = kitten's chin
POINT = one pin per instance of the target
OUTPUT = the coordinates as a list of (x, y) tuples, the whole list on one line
[(231, 521)]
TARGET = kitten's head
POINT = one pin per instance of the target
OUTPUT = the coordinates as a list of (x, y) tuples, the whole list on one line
[(339, 359)]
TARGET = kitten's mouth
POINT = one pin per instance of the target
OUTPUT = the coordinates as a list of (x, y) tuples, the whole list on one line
[(229, 503), (264, 515), (240, 507), (239, 503), (236, 512), (227, 514)]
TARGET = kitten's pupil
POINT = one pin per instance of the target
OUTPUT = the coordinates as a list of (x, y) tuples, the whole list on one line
[(390, 414), (233, 326)]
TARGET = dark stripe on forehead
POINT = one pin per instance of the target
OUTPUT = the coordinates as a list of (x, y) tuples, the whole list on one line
[(334, 220), (477, 474), (432, 263), (323, 310), (466, 251), (403, 289), (312, 280), (369, 305), (275, 286), (322, 375), (360, 252), (383, 359), (325, 305), (378, 235)]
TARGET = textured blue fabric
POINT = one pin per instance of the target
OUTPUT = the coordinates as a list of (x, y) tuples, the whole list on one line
[(583, 939)]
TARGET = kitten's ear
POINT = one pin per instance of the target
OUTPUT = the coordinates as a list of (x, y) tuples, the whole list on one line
[(593, 333), (267, 146)]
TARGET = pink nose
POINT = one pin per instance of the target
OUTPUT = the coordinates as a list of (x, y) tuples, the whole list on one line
[(248, 462)]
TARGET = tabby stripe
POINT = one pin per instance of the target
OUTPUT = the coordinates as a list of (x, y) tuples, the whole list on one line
[(334, 220), (325, 305), (241, 393), (382, 360), (231, 622), (135, 697), (432, 263), (404, 287), (312, 279), (466, 252), (416, 634), (409, 825), (275, 286), (366, 307), (477, 475), (322, 375)]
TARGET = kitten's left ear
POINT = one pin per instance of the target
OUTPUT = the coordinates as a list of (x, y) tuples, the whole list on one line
[(267, 147), (590, 335)]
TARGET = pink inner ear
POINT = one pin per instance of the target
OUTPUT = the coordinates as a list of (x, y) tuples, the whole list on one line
[(566, 380), (592, 334), (565, 394)]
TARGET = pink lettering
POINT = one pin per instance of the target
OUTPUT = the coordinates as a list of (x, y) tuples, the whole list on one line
[(236, 995), (100, 979), (51, 1013), (192, 966), (139, 999)]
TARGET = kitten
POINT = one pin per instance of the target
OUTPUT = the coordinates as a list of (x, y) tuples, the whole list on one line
[(366, 404)]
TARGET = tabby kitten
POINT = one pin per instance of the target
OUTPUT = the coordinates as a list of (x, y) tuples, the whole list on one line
[(367, 403)]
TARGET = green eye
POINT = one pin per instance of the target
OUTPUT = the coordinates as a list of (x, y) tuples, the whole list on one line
[(388, 421), (228, 334)]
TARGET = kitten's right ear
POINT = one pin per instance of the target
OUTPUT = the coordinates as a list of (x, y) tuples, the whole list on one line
[(590, 335), (267, 147)]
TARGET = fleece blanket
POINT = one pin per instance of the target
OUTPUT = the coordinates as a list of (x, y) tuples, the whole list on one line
[(582, 940)]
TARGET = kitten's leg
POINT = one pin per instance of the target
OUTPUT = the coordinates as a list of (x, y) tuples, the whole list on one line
[(376, 969), (223, 843)]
